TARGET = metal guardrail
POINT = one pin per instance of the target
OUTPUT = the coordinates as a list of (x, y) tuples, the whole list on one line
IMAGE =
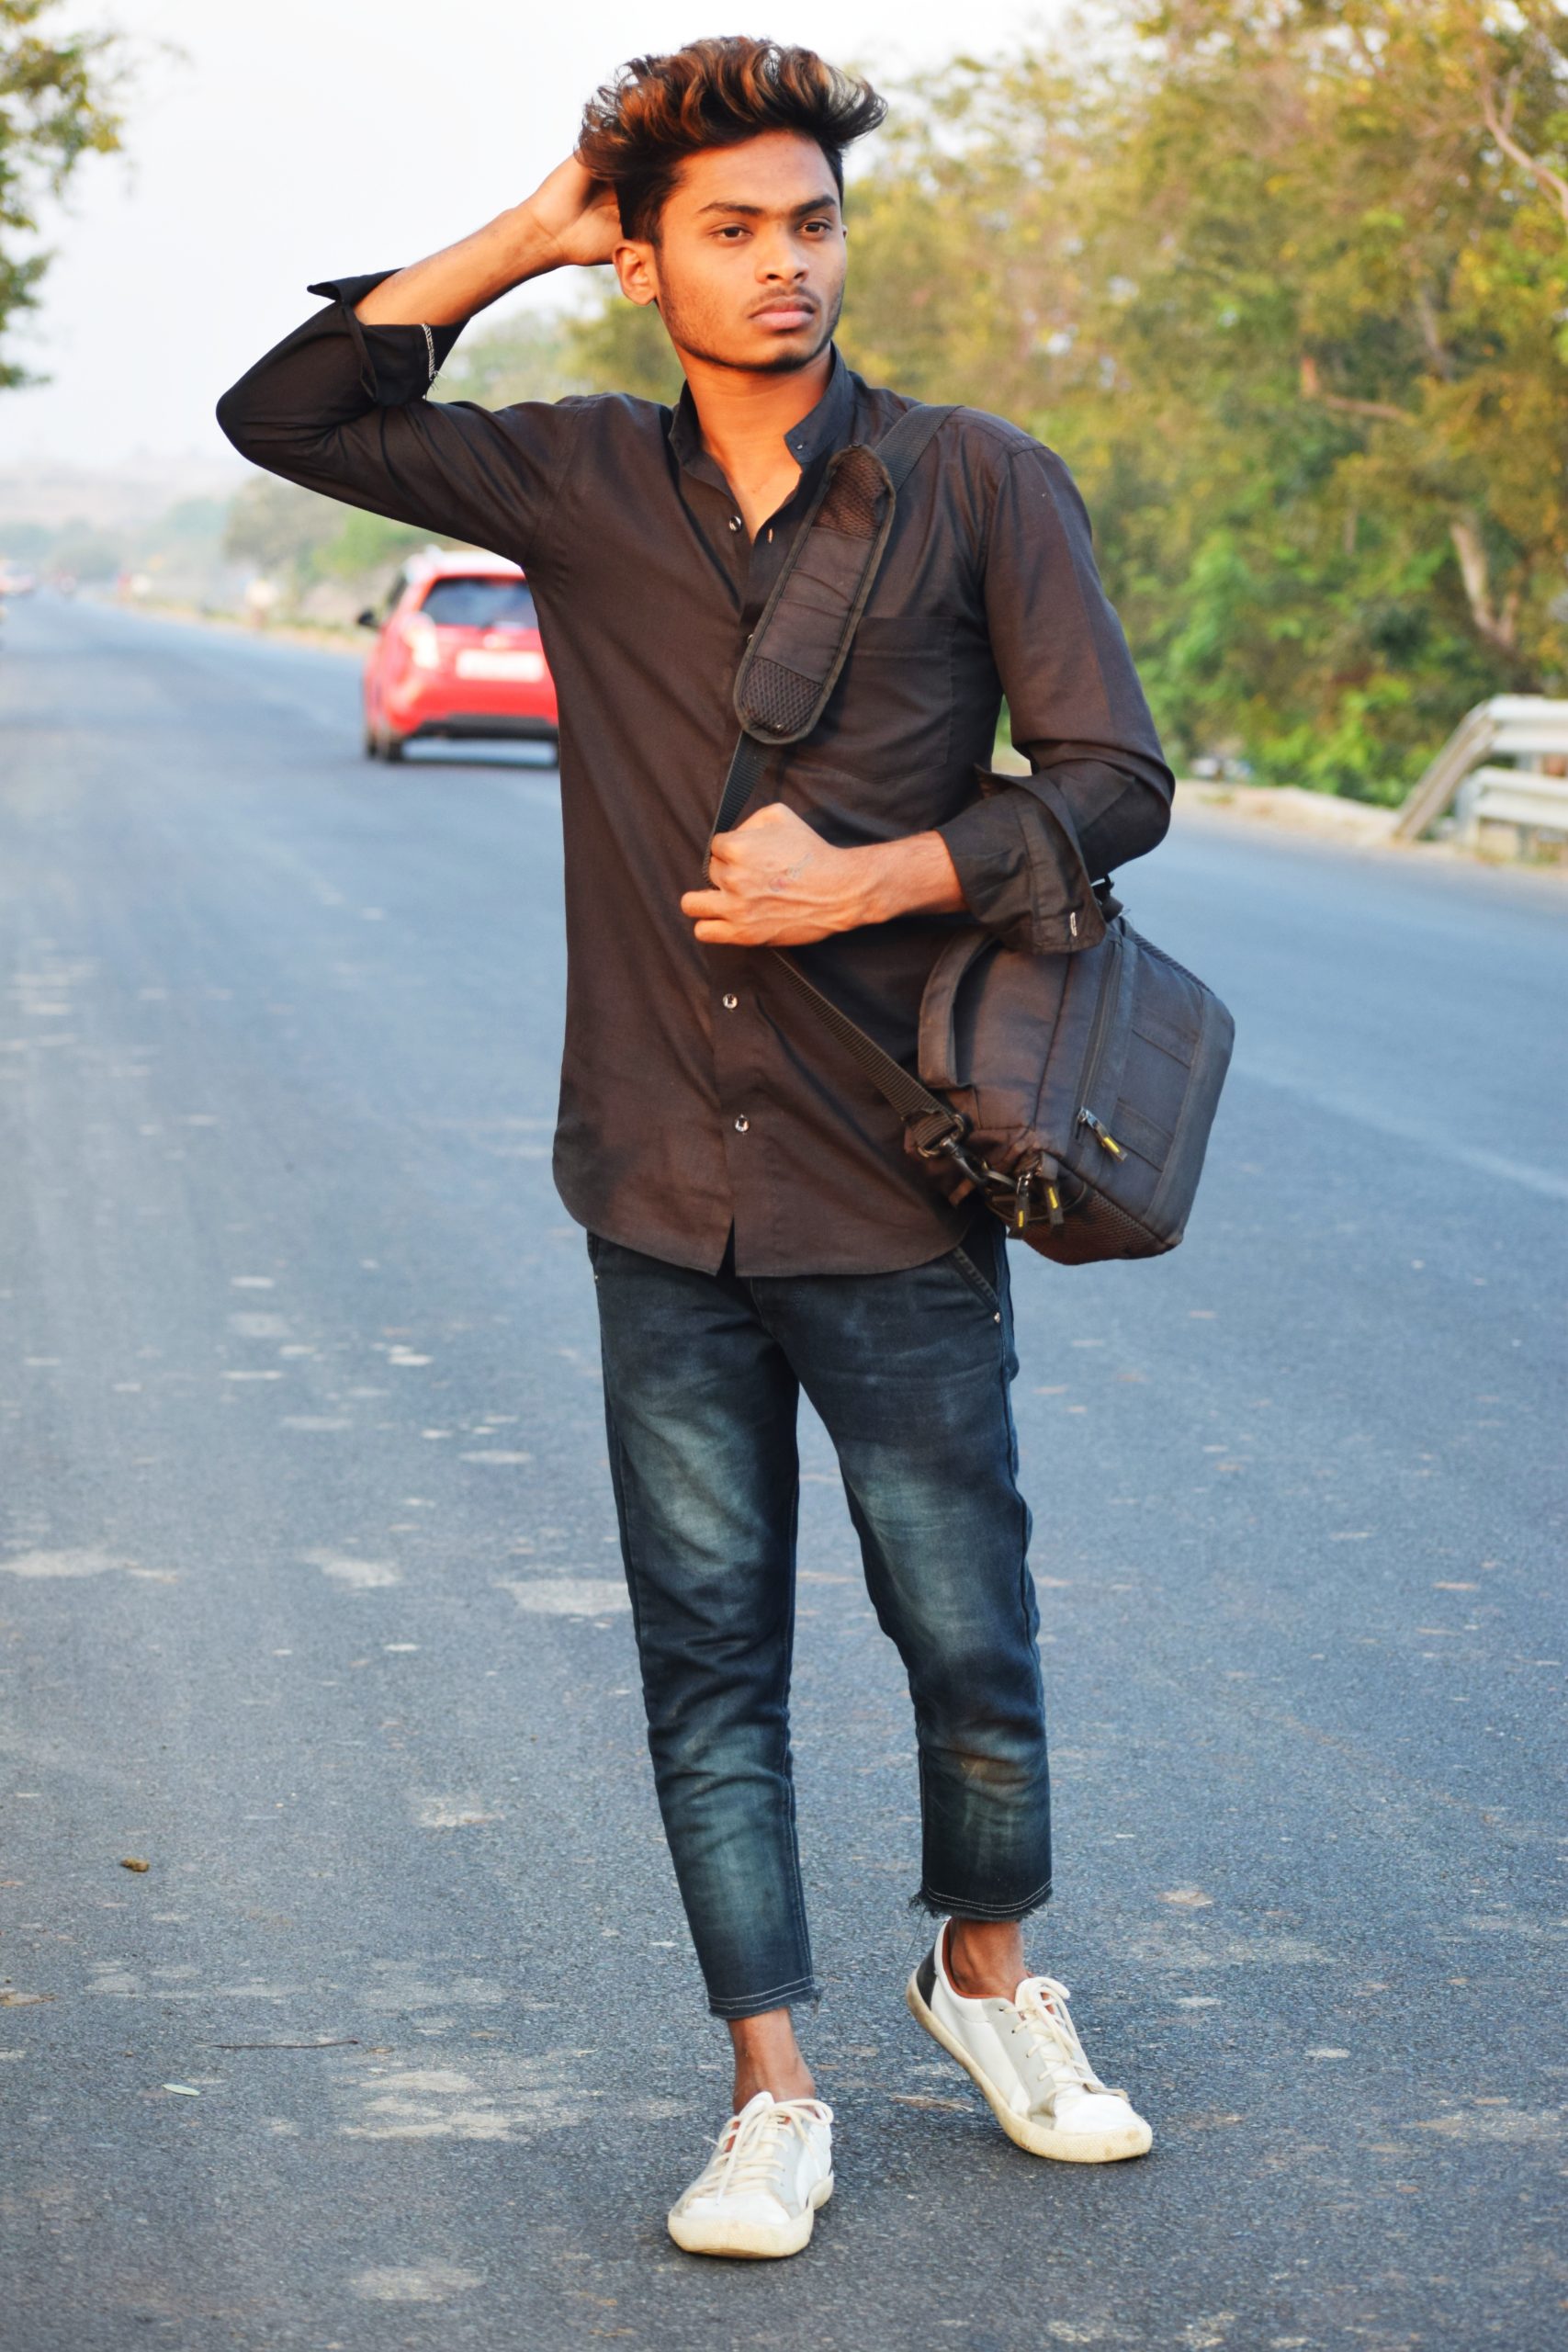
[(1524, 726), (1521, 796)]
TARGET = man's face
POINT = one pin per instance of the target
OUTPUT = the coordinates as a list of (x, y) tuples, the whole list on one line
[(749, 269)]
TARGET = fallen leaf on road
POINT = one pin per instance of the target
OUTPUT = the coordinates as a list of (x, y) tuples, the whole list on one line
[(23, 2000), (1188, 1898), (133, 1862), (181, 2090), (923, 2099)]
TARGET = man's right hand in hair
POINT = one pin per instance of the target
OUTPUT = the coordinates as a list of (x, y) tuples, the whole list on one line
[(569, 221), (577, 214)]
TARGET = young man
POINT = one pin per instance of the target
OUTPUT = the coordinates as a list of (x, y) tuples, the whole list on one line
[(755, 1226)]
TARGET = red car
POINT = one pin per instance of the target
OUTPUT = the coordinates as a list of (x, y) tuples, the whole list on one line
[(458, 654)]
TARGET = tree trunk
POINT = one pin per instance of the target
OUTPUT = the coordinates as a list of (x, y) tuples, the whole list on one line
[(1499, 627)]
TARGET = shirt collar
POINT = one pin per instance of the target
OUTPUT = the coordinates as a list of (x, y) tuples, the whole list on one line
[(825, 429)]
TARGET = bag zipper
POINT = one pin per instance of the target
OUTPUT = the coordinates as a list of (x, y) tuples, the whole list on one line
[(1102, 1134), (1102, 1010)]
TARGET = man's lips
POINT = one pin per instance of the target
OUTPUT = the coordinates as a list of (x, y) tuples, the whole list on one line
[(793, 312)]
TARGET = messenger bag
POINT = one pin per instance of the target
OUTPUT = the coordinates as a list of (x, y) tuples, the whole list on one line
[(1074, 1091)]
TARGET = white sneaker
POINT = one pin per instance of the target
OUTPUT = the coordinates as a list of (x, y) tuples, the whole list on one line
[(761, 2189), (1028, 2061)]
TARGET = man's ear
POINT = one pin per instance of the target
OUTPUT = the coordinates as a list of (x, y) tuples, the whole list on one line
[(637, 270)]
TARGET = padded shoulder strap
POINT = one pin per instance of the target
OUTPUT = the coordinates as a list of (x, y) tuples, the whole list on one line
[(901, 449), (809, 623), (802, 638)]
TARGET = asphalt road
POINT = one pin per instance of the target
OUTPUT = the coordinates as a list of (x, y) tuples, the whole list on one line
[(397, 2041)]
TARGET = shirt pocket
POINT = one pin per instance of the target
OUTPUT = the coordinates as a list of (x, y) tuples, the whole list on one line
[(852, 809), (891, 713)]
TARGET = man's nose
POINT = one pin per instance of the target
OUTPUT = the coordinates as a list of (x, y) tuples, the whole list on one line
[(782, 258)]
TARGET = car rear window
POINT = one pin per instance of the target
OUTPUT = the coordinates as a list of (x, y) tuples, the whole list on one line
[(480, 604)]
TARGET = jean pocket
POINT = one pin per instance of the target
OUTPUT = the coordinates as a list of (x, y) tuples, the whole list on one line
[(963, 1264)]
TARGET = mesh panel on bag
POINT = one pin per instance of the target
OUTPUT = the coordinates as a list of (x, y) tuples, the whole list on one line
[(853, 496), (777, 698), (1095, 1230)]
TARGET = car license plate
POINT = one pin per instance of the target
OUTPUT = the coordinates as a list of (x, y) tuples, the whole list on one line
[(475, 664)]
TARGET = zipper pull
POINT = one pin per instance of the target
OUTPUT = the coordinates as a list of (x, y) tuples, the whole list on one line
[(1020, 1200), (1102, 1134), (1053, 1203)]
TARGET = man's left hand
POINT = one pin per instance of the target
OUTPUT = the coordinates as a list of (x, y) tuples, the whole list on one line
[(775, 883)]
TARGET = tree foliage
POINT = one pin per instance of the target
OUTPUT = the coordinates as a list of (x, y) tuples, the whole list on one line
[(611, 345), (57, 104), (299, 539), (529, 356)]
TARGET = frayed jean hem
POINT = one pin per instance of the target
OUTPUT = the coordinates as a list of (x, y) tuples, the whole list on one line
[(955, 1906)]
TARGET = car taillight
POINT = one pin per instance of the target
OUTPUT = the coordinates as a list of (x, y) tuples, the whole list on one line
[(425, 646)]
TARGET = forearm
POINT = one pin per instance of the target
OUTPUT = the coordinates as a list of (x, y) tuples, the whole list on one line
[(912, 877), (450, 286)]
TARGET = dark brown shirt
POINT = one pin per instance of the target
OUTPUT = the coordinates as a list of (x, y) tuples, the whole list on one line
[(696, 1094)]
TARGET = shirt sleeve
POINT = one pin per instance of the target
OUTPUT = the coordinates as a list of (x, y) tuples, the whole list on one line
[(341, 406), (1099, 790)]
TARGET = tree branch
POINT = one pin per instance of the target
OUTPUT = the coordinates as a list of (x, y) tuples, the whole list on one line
[(1500, 125), (1312, 389)]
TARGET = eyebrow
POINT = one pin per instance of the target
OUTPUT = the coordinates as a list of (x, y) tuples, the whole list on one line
[(759, 211)]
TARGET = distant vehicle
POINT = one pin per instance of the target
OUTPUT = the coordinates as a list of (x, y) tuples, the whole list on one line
[(14, 582), (458, 655)]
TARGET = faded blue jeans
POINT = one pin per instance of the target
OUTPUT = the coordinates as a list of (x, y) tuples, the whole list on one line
[(909, 1373)]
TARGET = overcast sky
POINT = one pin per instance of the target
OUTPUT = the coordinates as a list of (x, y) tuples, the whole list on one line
[(316, 136)]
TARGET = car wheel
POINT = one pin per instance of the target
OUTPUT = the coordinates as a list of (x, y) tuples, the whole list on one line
[(372, 743), (392, 746)]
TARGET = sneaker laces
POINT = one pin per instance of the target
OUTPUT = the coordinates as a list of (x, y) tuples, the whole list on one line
[(748, 2158), (1052, 2037)]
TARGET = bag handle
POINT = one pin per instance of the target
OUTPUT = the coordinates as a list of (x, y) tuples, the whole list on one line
[(939, 1006)]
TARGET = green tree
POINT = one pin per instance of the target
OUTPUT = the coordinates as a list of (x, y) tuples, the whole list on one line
[(609, 346), (299, 538), (58, 103), (621, 347), (279, 528), (1341, 512)]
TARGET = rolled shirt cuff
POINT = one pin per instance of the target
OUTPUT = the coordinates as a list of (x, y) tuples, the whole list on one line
[(396, 364), (1017, 856)]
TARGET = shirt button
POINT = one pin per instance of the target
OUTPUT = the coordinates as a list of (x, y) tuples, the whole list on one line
[(741, 1125), (735, 522), (730, 1002)]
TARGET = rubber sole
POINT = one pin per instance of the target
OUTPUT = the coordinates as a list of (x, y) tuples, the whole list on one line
[(746, 2241), (1036, 2139)]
